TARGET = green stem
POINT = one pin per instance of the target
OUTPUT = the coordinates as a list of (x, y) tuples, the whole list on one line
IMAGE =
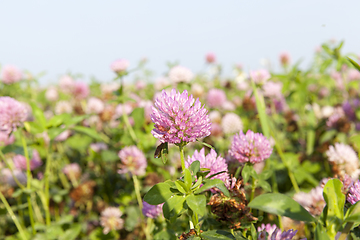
[(252, 189), (128, 126), (28, 185), (139, 200), (182, 157), (137, 191), (13, 217), (11, 171), (349, 225), (46, 179), (291, 175)]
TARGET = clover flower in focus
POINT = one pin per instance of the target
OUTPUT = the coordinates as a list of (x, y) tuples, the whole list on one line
[(151, 211), (212, 161), (10, 74), (354, 193), (179, 118), (132, 161), (250, 147), (12, 114), (263, 229), (119, 66), (215, 98), (111, 219), (344, 160), (180, 74), (260, 76)]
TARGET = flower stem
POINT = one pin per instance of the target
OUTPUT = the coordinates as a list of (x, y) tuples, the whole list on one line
[(13, 217), (137, 191), (11, 171), (28, 185), (182, 157), (252, 189), (139, 200), (46, 179)]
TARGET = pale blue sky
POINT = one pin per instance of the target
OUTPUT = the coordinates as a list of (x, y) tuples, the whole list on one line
[(85, 36)]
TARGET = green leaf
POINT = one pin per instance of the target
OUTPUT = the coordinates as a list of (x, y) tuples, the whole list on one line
[(180, 186), (197, 203), (54, 132), (158, 194), (280, 204), (57, 120), (165, 234), (205, 144), (173, 206), (138, 116), (217, 235), (133, 218), (265, 175), (334, 198), (198, 183), (38, 115), (187, 179), (215, 174), (90, 132), (109, 156), (195, 167), (352, 214), (260, 105), (320, 233), (212, 183), (355, 64), (265, 185), (71, 233)]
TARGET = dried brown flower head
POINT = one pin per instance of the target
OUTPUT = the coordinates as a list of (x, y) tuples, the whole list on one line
[(232, 211)]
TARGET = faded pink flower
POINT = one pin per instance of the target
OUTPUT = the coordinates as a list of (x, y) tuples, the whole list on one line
[(81, 90), (67, 84), (216, 98), (63, 107), (210, 58), (94, 105), (20, 161), (72, 170), (10, 74), (133, 161), (12, 114), (120, 65), (5, 139), (52, 94), (285, 58), (180, 74), (260, 76), (111, 219)]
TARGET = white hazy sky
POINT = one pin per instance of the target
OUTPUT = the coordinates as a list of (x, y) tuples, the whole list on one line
[(85, 36)]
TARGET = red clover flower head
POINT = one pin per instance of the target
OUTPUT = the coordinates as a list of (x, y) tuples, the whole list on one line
[(151, 211), (212, 161), (179, 118), (354, 193), (12, 114), (120, 65), (133, 161), (250, 147)]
